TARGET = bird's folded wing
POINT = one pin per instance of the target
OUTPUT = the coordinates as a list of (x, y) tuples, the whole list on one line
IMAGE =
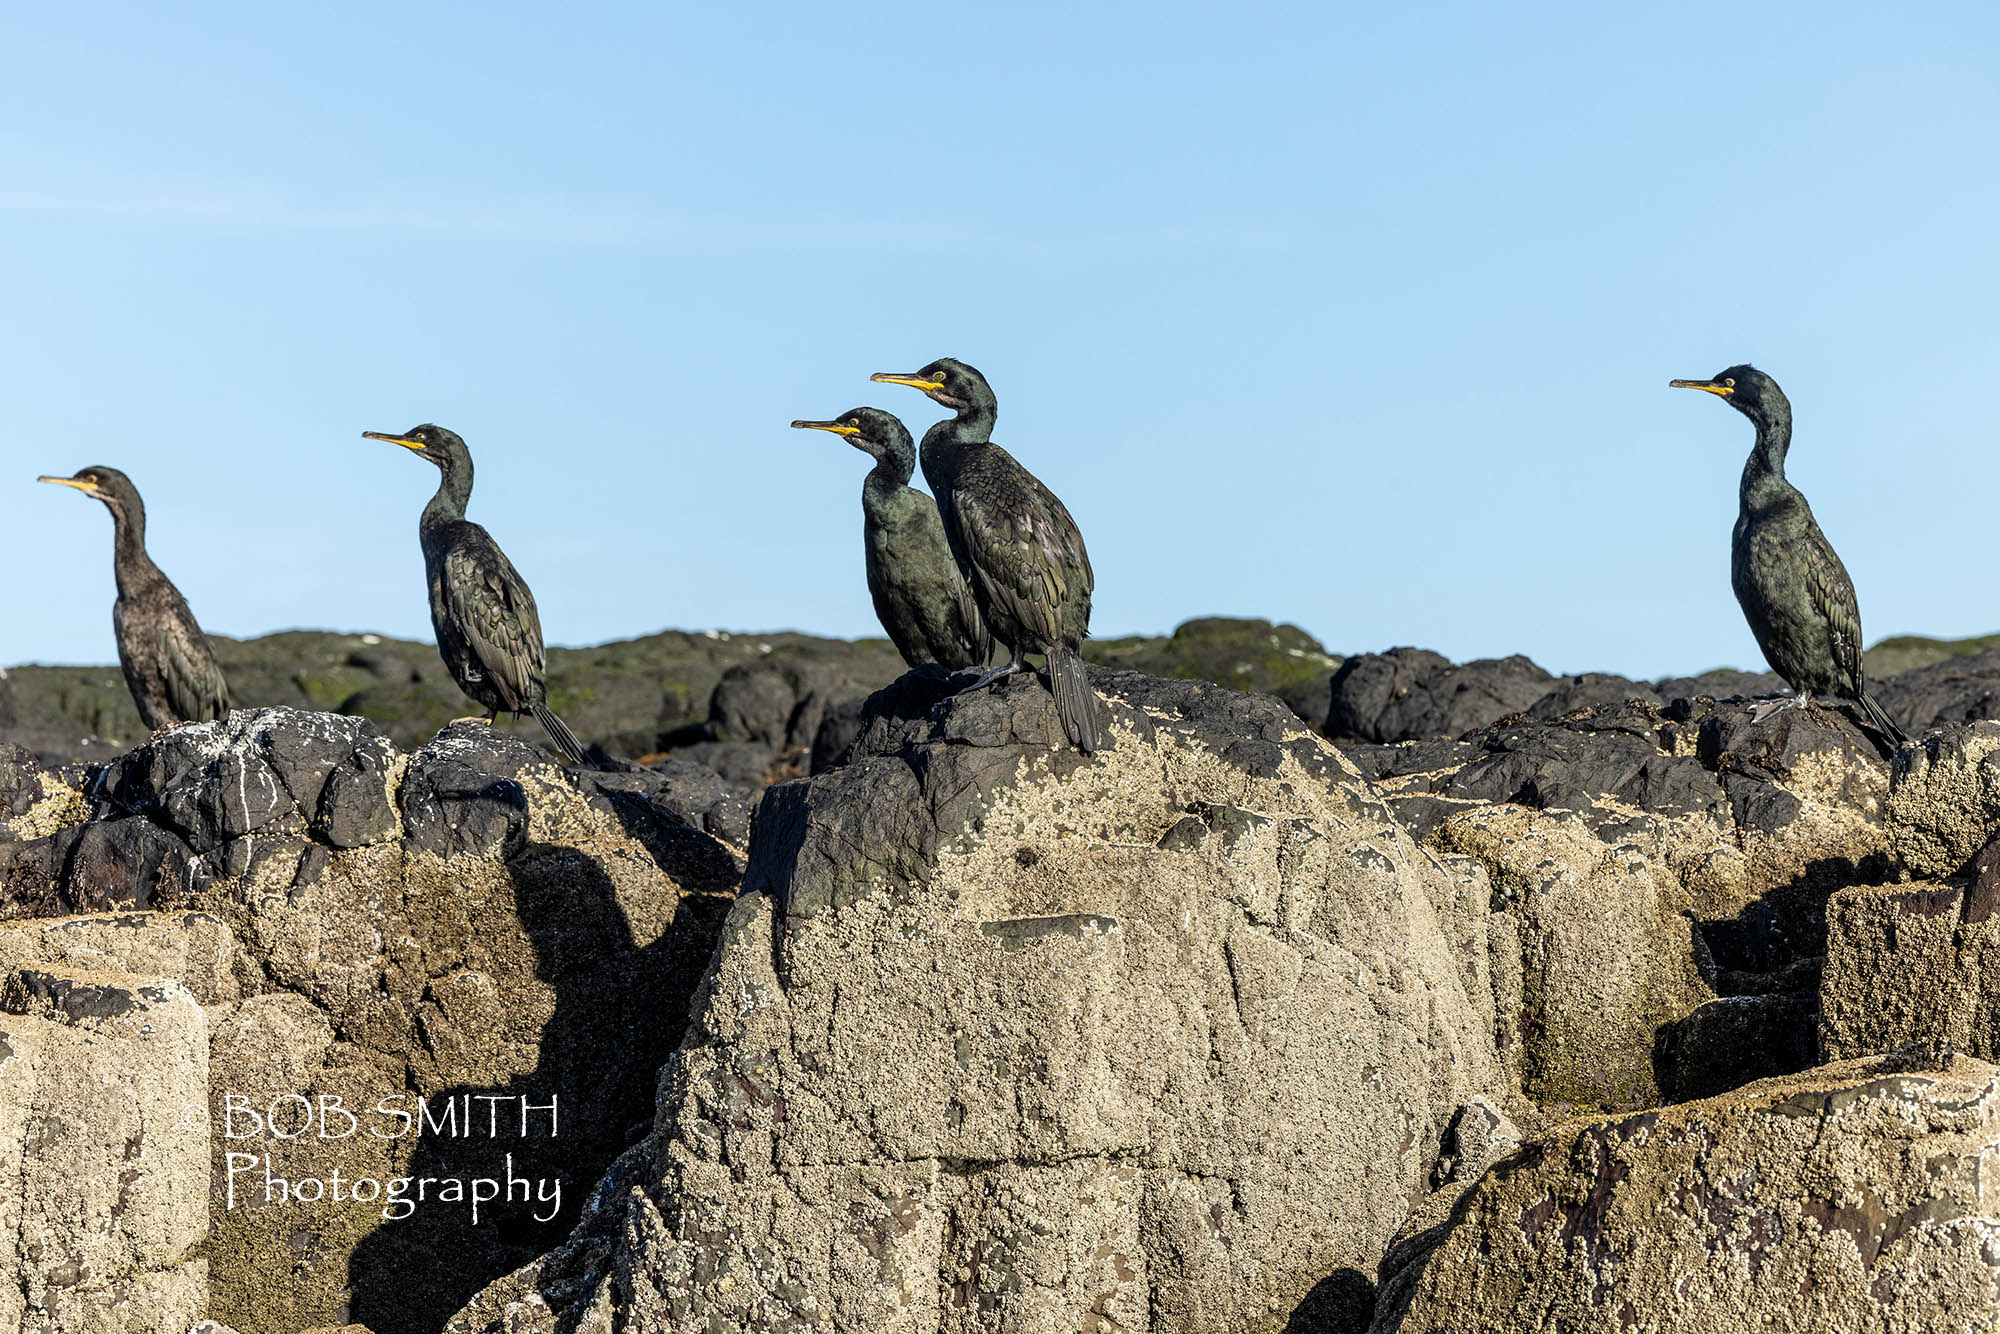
[(496, 614), (195, 689), (1833, 596), (1030, 558)]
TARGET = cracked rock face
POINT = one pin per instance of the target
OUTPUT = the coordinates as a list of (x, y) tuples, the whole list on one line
[(1851, 1197), (1000, 1035)]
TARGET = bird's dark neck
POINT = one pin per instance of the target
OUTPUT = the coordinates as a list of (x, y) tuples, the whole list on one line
[(973, 425), (945, 444), (891, 474), (448, 505), (1764, 473), (134, 568)]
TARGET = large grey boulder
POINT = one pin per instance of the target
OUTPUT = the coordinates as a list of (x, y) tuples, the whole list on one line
[(1001, 1036), (1851, 1197)]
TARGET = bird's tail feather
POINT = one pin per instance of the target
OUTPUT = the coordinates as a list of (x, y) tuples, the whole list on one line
[(559, 733), (1881, 719), (1076, 706)]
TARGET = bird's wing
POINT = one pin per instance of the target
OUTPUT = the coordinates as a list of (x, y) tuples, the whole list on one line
[(195, 687), (496, 614), (1833, 597), (978, 639), (1029, 554)]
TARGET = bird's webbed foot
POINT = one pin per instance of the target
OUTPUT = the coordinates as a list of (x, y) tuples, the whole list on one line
[(992, 674), (1766, 708), (486, 718)]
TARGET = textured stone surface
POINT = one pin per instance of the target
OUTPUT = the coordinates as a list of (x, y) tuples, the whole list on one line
[(1175, 1037), (1915, 964), (465, 923), (1410, 693), (1946, 805), (1124, 1019), (103, 1151), (1851, 1197)]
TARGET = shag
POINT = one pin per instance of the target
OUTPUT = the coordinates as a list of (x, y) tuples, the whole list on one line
[(168, 664), (488, 631), (1794, 591), (1020, 551), (920, 597)]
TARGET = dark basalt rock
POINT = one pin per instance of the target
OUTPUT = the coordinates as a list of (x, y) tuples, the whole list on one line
[(1589, 691), (1957, 690), (20, 781), (1693, 757), (1723, 683), (776, 702), (128, 862), (462, 793), (1409, 693), (258, 768), (680, 791)]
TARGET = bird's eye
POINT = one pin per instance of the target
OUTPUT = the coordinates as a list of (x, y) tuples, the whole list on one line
[(855, 422), (943, 375), (1729, 383)]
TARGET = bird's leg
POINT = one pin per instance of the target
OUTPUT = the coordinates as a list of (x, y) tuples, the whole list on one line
[(992, 674), (1765, 708), (486, 717)]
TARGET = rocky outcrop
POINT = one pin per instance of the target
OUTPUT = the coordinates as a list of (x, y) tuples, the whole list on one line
[(466, 934), (1139, 964), (1123, 1018), (1852, 1197), (1956, 690), (1179, 1036), (1410, 693)]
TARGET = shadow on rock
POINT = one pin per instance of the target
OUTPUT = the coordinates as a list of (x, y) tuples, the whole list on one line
[(619, 1008), (1341, 1303), (1764, 963)]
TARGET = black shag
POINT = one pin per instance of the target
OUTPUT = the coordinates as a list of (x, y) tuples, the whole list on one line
[(1019, 549), (167, 661), (920, 597), (488, 631), (1794, 591)]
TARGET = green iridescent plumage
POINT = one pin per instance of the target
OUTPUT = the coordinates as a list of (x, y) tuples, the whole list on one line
[(1793, 589), (920, 597), (1020, 551)]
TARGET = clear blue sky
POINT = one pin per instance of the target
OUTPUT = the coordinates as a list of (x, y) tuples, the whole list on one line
[(1354, 316)]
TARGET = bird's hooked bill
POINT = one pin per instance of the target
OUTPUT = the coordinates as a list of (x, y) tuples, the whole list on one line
[(838, 428), (406, 443), (83, 484), (1706, 386), (913, 380)]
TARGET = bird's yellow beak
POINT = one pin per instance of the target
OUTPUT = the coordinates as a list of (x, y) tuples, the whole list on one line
[(914, 381), (1706, 386), (88, 488), (838, 428), (417, 445)]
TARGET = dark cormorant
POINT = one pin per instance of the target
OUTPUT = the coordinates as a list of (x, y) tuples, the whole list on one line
[(167, 661), (920, 597), (1794, 591), (1019, 549), (488, 631)]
